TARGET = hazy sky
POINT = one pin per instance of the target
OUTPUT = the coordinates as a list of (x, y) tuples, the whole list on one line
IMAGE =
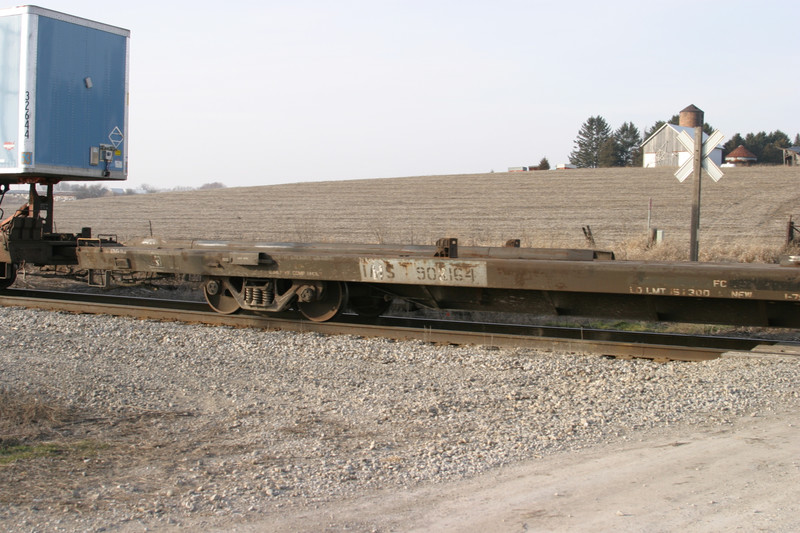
[(265, 92)]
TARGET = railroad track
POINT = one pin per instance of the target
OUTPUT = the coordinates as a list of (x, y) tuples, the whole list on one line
[(657, 346)]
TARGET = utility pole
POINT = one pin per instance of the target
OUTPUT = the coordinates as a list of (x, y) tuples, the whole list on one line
[(694, 243), (692, 117)]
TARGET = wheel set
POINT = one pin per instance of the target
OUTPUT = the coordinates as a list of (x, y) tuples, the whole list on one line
[(318, 301)]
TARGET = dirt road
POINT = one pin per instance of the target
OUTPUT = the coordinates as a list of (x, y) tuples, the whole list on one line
[(745, 477)]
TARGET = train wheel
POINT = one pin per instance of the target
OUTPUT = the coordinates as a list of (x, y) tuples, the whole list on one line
[(9, 273), (219, 295), (368, 302), (330, 303)]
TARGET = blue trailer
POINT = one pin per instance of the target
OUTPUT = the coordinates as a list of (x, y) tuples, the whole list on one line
[(63, 97), (63, 117)]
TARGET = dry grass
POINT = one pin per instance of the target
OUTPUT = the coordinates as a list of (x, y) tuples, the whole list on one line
[(743, 217), (25, 418)]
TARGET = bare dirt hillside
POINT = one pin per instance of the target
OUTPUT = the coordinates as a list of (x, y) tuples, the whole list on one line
[(741, 215)]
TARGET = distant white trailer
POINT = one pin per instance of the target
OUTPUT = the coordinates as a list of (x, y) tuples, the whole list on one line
[(517, 169), (565, 166)]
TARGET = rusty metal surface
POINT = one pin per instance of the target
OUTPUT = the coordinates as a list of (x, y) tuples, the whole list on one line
[(574, 271), (28, 235), (552, 282)]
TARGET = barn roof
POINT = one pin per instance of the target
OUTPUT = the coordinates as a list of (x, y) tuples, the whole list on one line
[(741, 153), (677, 129)]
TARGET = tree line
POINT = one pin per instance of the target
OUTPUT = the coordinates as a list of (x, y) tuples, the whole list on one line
[(597, 145), (765, 146), (97, 190)]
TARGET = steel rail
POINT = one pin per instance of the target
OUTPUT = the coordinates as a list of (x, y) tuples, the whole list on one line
[(655, 346)]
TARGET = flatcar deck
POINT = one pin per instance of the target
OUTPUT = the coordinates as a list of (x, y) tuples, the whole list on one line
[(272, 276)]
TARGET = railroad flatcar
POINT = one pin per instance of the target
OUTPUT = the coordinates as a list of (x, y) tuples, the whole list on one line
[(318, 280)]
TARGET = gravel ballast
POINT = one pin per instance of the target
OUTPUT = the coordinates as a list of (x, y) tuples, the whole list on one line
[(188, 421)]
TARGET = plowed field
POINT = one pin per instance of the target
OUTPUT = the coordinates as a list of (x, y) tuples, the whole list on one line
[(743, 216)]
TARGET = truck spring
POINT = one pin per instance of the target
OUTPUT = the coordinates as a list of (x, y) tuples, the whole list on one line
[(259, 296), (253, 296), (268, 296)]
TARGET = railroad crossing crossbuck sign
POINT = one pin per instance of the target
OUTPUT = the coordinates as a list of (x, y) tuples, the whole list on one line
[(707, 164)]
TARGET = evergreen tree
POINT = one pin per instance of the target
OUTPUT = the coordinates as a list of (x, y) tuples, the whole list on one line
[(638, 158), (731, 144), (755, 142), (610, 153), (780, 139), (765, 146), (593, 133), (544, 164), (772, 152), (796, 139), (629, 142), (654, 128)]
